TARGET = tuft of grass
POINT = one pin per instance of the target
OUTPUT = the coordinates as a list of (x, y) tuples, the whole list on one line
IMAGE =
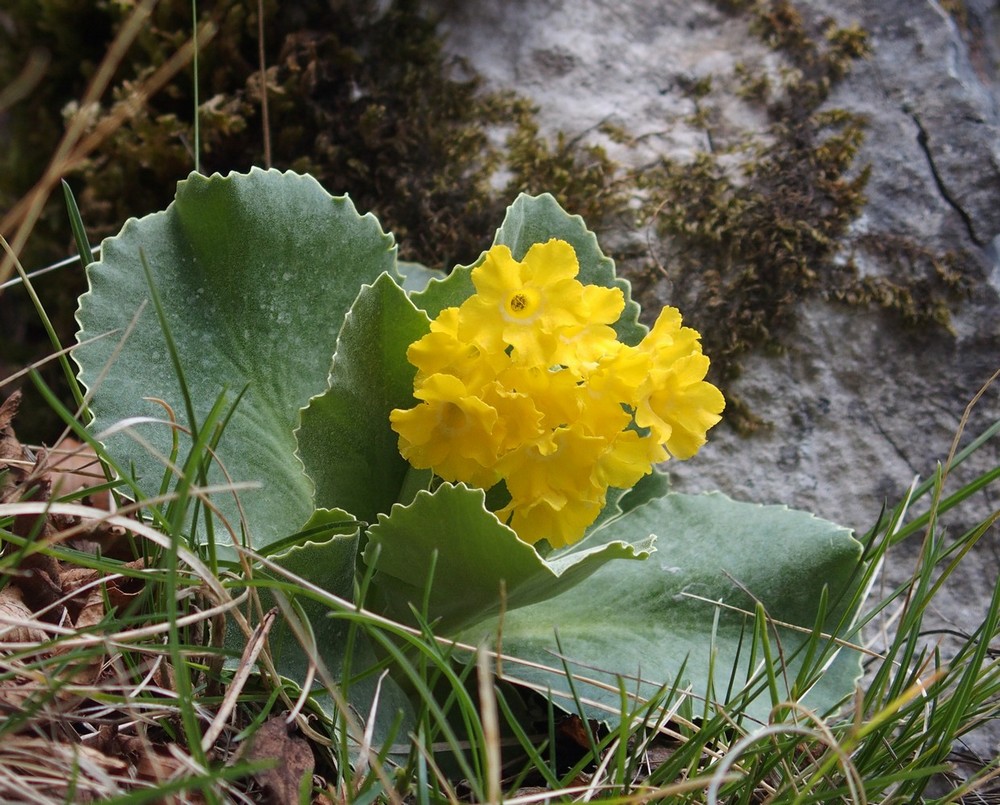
[(143, 699)]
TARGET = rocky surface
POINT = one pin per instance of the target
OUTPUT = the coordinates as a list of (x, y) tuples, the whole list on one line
[(859, 404)]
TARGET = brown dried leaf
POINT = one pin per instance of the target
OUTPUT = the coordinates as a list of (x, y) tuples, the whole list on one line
[(15, 460), (88, 609), (295, 761), (38, 575), (573, 728), (151, 762), (85, 608), (659, 752), (8, 410), (17, 619), (92, 612), (16, 692), (122, 591), (73, 466), (18, 625), (159, 765), (86, 605)]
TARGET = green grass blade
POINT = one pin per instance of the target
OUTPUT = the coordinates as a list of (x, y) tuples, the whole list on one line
[(50, 330), (83, 247)]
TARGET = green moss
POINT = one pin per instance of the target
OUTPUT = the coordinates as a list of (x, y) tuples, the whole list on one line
[(581, 177), (364, 100), (920, 288)]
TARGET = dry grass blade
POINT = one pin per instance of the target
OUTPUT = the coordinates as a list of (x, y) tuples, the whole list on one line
[(73, 510), (70, 674), (491, 725), (52, 356), (246, 668), (29, 78), (36, 769)]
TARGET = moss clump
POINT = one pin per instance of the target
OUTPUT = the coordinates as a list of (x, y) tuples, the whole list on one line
[(360, 99), (747, 245), (920, 288)]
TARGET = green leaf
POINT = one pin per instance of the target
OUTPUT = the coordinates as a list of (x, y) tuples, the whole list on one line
[(416, 276), (256, 272), (330, 565), (654, 485), (450, 537), (647, 619), (450, 291), (649, 487), (346, 443), (537, 219)]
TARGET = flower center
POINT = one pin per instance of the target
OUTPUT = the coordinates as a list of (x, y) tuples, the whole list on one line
[(522, 304)]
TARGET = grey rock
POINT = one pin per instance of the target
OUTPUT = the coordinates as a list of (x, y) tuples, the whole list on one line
[(859, 405)]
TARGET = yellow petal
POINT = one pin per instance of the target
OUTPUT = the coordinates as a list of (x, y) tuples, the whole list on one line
[(550, 262), (558, 526)]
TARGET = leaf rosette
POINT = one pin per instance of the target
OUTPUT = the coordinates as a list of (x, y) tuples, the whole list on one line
[(265, 288)]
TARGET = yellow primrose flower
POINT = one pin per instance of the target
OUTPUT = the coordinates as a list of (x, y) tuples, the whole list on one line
[(518, 419), (581, 347), (556, 394), (526, 382), (668, 340), (679, 406), (556, 477), (557, 496), (452, 432), (524, 305), (628, 458), (675, 401), (607, 385)]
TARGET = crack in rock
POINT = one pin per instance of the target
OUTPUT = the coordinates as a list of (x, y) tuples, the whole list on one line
[(923, 140)]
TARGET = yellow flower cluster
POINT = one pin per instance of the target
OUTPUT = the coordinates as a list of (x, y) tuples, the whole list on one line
[(527, 383)]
